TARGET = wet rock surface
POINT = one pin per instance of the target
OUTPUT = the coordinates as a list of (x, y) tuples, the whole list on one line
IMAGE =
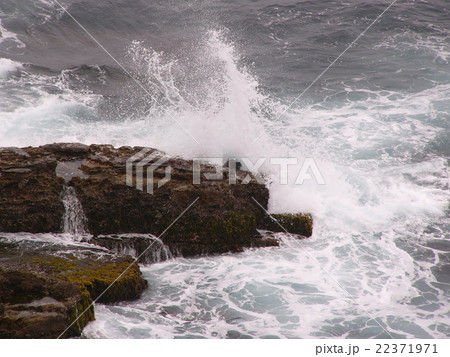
[(299, 224), (144, 247), (44, 290)]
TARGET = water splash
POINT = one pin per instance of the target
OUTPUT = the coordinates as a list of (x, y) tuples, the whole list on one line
[(74, 221), (211, 95)]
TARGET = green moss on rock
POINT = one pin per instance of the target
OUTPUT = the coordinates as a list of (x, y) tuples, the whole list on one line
[(96, 276), (301, 224), (43, 295), (194, 235), (81, 312)]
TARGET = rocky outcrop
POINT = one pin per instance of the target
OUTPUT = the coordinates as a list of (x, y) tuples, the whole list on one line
[(223, 218), (43, 291)]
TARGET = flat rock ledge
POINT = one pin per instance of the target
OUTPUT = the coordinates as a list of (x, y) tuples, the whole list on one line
[(46, 293), (42, 292)]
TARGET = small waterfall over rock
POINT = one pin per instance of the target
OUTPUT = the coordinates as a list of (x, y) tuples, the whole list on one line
[(74, 221), (147, 247)]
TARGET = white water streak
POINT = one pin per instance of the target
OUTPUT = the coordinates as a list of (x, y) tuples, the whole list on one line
[(74, 219)]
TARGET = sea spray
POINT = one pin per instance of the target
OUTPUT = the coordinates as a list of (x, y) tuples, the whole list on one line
[(207, 98)]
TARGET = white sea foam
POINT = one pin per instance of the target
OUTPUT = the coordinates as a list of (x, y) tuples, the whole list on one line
[(64, 239), (435, 46), (292, 296), (7, 66)]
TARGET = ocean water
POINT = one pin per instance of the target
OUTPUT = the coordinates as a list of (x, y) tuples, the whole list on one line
[(223, 79)]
